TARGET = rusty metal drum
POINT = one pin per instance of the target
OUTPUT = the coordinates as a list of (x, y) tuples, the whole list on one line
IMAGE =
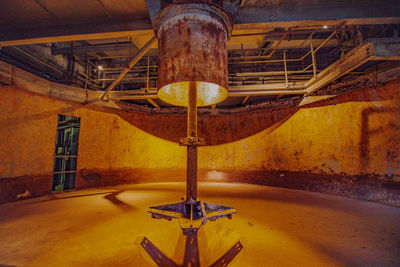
[(192, 41)]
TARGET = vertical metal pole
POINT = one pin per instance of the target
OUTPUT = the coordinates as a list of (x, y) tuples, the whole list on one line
[(98, 70), (314, 63), (148, 74), (86, 79), (103, 75), (191, 178), (284, 63)]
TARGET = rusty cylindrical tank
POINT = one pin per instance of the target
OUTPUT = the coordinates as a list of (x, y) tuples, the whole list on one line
[(192, 42)]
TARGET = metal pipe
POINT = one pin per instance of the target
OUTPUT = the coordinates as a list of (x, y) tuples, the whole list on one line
[(235, 93), (288, 60), (191, 178), (276, 47), (269, 73), (245, 99), (266, 92), (138, 56), (151, 101), (268, 61), (314, 64), (34, 58), (262, 81), (285, 66), (306, 68), (279, 33), (135, 96), (324, 42), (133, 68), (86, 79), (306, 39), (230, 79), (129, 78), (148, 72)]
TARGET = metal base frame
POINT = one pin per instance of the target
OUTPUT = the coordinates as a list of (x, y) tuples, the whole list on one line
[(191, 213), (191, 257)]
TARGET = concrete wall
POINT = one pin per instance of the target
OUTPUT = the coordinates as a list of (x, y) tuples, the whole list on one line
[(348, 146), (358, 133), (28, 131)]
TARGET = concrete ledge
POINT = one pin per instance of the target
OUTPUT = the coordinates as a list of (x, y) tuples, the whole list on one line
[(365, 187), (22, 187)]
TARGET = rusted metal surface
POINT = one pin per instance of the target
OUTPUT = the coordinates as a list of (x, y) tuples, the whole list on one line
[(138, 56), (192, 111), (156, 254), (229, 255), (192, 41), (191, 178), (353, 59), (192, 251), (193, 48), (192, 257), (191, 182)]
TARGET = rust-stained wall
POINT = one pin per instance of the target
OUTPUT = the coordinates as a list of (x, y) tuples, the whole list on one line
[(349, 145), (106, 142), (358, 133)]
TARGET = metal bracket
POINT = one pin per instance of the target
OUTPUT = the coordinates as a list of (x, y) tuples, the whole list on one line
[(156, 254), (229, 255), (191, 257), (192, 141), (191, 215)]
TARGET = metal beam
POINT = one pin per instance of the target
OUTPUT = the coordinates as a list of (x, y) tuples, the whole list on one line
[(350, 61), (138, 56), (234, 91), (77, 32), (266, 92), (307, 10), (267, 87), (290, 13), (127, 95), (46, 9), (387, 51), (271, 73), (353, 59), (131, 95), (151, 101), (344, 65), (245, 99), (83, 49)]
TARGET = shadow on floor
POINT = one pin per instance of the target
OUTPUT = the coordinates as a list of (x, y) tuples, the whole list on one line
[(53, 197), (109, 195), (112, 197)]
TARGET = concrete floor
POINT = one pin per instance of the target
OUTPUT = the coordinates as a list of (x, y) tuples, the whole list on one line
[(277, 227)]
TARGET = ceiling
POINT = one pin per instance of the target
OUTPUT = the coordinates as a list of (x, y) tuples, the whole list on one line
[(67, 41)]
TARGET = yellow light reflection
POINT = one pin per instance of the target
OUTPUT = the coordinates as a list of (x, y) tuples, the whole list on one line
[(207, 93)]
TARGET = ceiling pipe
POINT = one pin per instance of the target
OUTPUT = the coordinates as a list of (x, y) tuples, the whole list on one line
[(138, 56)]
